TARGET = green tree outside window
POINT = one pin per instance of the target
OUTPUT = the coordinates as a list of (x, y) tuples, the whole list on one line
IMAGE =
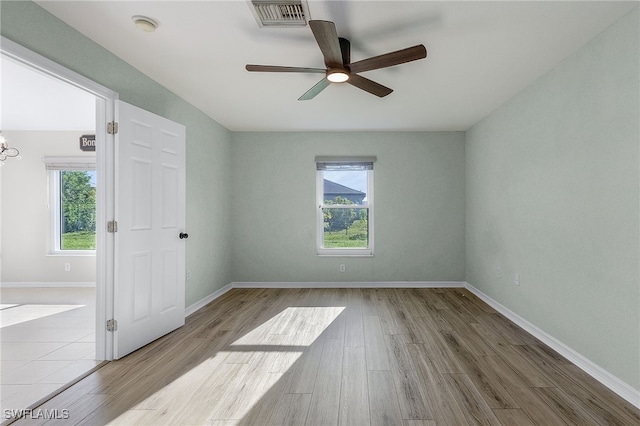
[(78, 210)]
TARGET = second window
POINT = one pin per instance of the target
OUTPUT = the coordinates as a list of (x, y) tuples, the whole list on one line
[(344, 187)]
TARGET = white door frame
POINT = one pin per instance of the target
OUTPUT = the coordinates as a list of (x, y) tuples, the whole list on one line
[(105, 166)]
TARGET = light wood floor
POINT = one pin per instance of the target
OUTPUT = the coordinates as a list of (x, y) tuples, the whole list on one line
[(350, 357)]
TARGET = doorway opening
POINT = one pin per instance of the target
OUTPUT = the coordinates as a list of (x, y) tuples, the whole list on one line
[(54, 253), (143, 298)]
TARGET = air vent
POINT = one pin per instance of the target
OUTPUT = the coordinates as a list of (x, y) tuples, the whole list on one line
[(283, 13)]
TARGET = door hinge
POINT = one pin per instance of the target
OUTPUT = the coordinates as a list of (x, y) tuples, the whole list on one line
[(112, 128), (112, 226), (112, 325)]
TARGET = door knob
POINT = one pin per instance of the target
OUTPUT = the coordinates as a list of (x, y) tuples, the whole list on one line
[(183, 235)]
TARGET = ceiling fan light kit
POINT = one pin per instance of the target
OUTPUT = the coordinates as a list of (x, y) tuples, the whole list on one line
[(337, 75), (337, 60)]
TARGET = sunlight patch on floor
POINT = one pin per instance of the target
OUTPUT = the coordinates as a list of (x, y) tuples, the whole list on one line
[(19, 313), (233, 380), (302, 325), (278, 344)]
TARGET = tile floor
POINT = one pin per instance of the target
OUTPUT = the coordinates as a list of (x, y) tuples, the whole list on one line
[(47, 338)]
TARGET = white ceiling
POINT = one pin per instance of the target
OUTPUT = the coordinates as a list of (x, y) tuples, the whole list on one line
[(480, 54)]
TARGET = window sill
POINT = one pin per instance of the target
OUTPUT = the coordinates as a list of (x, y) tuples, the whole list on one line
[(74, 253), (344, 255)]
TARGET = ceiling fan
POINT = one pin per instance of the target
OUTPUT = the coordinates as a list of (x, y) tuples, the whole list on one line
[(339, 68)]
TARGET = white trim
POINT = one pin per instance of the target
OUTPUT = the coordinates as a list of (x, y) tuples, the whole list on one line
[(53, 181), (352, 284), (105, 159), (377, 284), (206, 300), (46, 66), (72, 253), (47, 284), (621, 388), (346, 159)]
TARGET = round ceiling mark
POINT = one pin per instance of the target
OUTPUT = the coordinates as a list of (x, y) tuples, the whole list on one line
[(144, 23)]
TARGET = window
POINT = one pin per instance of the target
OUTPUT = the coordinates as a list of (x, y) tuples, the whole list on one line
[(344, 188), (72, 185)]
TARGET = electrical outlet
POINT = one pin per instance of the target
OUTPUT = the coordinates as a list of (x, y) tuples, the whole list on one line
[(343, 267), (516, 279), (188, 275), (67, 267), (499, 272)]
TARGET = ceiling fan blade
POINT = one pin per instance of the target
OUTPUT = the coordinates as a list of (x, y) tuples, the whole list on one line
[(327, 39), (369, 85), (319, 87), (345, 48), (390, 59), (274, 68)]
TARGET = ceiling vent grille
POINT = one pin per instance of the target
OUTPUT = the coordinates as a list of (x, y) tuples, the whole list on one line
[(283, 13)]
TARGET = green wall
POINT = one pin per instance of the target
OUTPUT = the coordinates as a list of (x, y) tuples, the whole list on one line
[(208, 143), (553, 195), (419, 206), (549, 182)]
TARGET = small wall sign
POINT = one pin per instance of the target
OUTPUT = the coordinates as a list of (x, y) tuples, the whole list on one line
[(88, 142)]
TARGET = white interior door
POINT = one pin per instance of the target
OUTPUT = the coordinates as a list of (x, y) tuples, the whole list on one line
[(149, 285)]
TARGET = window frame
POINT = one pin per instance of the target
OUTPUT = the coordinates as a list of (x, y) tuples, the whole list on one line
[(53, 166), (344, 251)]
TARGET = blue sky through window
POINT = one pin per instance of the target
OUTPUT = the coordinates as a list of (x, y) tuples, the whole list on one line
[(352, 179)]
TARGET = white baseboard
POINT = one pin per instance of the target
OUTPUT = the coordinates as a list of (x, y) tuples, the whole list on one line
[(46, 284), (391, 284), (206, 300), (354, 284), (621, 388)]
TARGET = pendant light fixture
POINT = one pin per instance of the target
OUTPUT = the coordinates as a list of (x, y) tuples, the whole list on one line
[(6, 151)]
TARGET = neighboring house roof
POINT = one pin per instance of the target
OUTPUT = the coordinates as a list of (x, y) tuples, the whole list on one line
[(337, 189)]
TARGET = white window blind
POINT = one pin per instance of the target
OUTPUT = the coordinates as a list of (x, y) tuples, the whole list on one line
[(345, 163), (69, 163)]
